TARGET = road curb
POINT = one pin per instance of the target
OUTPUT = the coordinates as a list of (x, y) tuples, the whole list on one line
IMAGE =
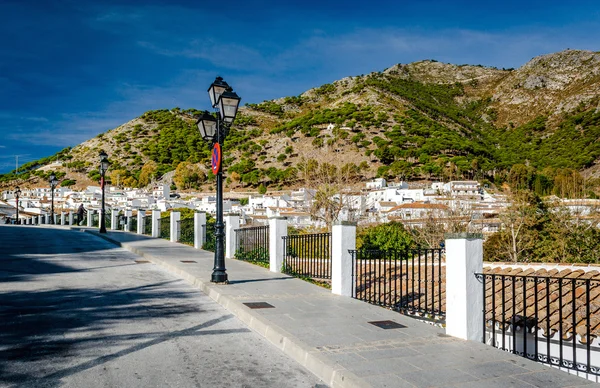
[(325, 369)]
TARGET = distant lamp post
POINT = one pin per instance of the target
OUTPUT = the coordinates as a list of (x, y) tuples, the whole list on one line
[(53, 182), (215, 130), (17, 194), (104, 164)]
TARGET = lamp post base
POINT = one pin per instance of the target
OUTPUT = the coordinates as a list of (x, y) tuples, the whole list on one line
[(219, 277)]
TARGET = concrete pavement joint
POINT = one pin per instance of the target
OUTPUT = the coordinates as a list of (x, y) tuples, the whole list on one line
[(324, 368)]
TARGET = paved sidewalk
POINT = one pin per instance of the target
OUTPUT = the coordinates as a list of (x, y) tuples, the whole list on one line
[(331, 335)]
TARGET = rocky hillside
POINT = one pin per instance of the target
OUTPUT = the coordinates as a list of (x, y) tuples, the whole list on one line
[(424, 120)]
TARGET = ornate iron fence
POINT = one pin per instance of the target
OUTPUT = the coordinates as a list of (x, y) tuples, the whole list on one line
[(185, 227), (551, 320), (164, 227), (407, 281), (252, 244), (308, 255)]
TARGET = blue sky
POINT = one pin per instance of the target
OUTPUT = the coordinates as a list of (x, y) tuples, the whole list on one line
[(70, 70)]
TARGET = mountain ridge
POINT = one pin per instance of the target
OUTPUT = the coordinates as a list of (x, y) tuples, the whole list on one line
[(421, 120)]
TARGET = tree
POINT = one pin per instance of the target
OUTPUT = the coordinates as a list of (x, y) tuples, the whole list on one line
[(441, 220), (188, 175), (389, 236), (522, 222), (147, 173), (573, 232), (117, 176), (331, 185)]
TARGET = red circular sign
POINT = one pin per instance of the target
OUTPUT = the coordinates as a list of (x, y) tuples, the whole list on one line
[(216, 158)]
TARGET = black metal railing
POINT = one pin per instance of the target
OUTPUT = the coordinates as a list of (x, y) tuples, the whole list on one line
[(308, 255), (148, 226), (551, 320), (252, 244), (186, 231), (133, 224), (164, 227), (407, 281)]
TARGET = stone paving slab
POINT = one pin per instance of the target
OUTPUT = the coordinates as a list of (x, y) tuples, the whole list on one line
[(330, 335)]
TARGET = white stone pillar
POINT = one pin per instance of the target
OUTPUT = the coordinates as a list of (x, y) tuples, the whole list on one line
[(55, 219), (90, 217), (277, 230), (62, 218), (71, 218), (343, 238), (174, 231), (47, 219), (464, 296), (232, 222), (199, 229), (155, 221), (128, 214), (140, 221), (114, 218)]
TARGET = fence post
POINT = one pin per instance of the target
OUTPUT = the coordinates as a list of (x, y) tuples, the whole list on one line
[(155, 221), (114, 218), (62, 218), (90, 218), (277, 230), (199, 229), (343, 238), (140, 221), (70, 218), (464, 297), (174, 235), (232, 221), (128, 214)]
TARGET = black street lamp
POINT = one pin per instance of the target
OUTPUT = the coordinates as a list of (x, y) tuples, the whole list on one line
[(215, 130), (17, 194), (53, 182), (104, 164)]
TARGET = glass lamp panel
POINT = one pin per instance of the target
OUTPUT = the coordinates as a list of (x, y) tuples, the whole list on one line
[(207, 125), (216, 89), (228, 106)]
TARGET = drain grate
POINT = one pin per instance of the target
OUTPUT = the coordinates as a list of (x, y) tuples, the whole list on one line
[(141, 261), (259, 305), (387, 325), (188, 261)]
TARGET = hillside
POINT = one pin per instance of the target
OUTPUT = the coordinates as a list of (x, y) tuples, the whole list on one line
[(424, 120)]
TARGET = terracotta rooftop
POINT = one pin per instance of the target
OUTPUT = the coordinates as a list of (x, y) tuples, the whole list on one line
[(554, 283), (558, 286)]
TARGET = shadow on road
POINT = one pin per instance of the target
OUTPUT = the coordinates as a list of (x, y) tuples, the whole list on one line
[(53, 326)]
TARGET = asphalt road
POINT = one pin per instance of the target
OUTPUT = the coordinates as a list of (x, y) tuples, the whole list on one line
[(76, 311)]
